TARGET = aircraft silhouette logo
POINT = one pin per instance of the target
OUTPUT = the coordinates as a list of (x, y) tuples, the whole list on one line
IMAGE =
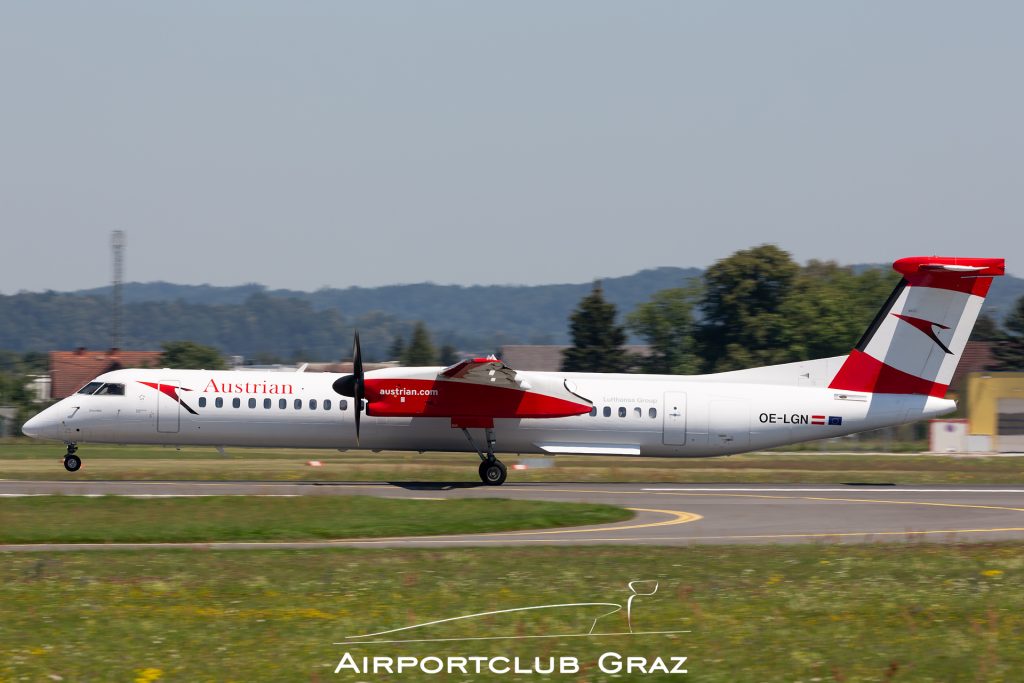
[(636, 589)]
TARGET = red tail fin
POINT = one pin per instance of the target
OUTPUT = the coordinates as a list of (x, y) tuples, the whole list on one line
[(915, 342)]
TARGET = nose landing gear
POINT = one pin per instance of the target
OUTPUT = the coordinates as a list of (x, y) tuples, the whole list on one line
[(72, 462)]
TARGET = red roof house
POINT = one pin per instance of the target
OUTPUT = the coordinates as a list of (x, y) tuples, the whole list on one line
[(71, 370)]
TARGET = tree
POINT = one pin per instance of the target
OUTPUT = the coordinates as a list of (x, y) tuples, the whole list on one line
[(13, 389), (666, 322), (16, 375), (761, 308), (596, 339), (420, 350), (449, 355), (397, 349), (986, 329), (743, 295), (1009, 353), (827, 309), (36, 361), (188, 354)]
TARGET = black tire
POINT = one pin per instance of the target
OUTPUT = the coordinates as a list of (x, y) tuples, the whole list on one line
[(493, 473), (72, 463)]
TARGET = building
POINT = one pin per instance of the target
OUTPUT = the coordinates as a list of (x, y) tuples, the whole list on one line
[(977, 357), (71, 370), (39, 387), (995, 412)]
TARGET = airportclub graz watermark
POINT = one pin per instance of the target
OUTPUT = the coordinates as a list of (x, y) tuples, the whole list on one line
[(390, 662)]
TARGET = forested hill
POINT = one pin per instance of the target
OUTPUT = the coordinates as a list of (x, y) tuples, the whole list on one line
[(256, 322), (441, 306), (251, 320)]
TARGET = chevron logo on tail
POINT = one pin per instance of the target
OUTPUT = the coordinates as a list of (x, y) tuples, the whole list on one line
[(926, 326)]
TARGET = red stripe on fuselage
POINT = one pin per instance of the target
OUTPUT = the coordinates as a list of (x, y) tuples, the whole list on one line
[(862, 372), (414, 398)]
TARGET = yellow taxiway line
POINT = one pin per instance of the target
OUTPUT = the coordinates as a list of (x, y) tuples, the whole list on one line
[(676, 517)]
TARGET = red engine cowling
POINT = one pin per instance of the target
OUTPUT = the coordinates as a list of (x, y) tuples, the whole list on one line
[(408, 397)]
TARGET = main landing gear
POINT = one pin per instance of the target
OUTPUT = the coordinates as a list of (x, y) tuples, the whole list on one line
[(492, 471), (72, 462)]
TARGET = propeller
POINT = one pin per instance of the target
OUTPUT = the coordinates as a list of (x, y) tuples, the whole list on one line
[(354, 385)]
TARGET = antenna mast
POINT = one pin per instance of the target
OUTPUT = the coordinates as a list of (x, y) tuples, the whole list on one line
[(117, 247)]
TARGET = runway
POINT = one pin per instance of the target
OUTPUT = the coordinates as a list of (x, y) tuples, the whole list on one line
[(666, 514)]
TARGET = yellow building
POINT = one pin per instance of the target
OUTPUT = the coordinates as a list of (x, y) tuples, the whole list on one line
[(995, 411)]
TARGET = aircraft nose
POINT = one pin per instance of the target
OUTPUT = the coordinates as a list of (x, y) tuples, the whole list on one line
[(31, 428), (42, 426)]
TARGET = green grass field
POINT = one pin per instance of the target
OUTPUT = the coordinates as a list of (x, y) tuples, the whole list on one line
[(796, 613), (116, 519), (32, 460)]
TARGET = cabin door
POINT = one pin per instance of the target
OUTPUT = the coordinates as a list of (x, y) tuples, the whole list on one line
[(168, 409), (674, 420)]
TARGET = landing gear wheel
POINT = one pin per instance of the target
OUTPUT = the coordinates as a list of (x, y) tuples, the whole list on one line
[(493, 472), (72, 462)]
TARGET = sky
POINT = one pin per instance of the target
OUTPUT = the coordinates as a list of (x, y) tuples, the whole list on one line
[(314, 144)]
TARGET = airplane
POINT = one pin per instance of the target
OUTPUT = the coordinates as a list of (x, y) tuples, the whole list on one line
[(898, 372)]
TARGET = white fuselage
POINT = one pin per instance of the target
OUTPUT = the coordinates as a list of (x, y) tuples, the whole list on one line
[(650, 415)]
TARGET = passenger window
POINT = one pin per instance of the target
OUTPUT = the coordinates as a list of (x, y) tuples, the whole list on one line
[(638, 411), (607, 412), (622, 411), (653, 412), (282, 404), (298, 404), (202, 401), (90, 388), (236, 402), (312, 404), (252, 403), (343, 404), (593, 411), (219, 402), (267, 403), (327, 404)]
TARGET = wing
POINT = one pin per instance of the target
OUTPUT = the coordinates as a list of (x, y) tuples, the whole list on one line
[(488, 371)]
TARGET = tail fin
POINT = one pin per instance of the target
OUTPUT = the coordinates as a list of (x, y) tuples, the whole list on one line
[(915, 342)]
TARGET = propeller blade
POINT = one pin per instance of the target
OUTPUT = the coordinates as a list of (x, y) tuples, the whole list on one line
[(357, 371), (359, 411), (353, 385)]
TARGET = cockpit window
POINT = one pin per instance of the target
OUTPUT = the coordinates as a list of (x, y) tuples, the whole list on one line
[(90, 388), (111, 390)]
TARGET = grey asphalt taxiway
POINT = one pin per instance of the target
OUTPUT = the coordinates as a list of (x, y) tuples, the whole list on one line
[(665, 514)]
